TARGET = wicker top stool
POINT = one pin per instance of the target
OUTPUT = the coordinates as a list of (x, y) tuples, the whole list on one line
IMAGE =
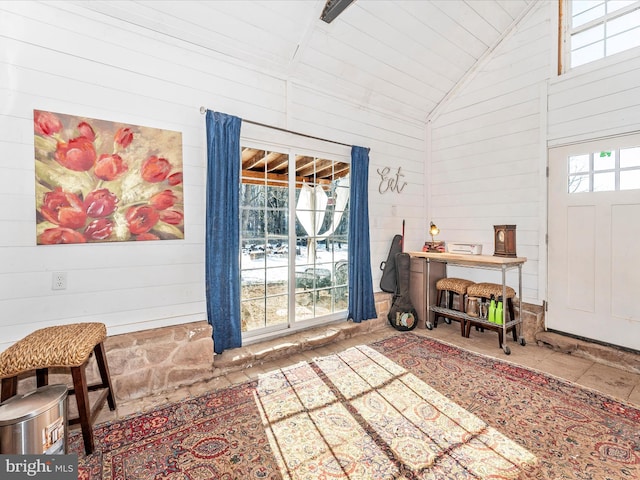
[(485, 290), (456, 285), (449, 286), (62, 346)]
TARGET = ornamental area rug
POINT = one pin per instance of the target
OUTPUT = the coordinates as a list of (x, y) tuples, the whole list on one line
[(406, 407)]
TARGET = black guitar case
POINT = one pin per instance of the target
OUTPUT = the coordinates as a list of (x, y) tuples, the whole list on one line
[(402, 316), (388, 267)]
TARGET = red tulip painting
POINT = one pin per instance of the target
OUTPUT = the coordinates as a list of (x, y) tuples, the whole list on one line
[(100, 181)]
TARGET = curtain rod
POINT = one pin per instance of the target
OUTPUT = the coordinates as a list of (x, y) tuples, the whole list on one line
[(203, 110)]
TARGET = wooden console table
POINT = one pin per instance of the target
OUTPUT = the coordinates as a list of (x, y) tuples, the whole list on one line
[(474, 261)]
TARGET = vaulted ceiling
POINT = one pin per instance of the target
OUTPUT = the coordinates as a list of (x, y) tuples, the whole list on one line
[(400, 56)]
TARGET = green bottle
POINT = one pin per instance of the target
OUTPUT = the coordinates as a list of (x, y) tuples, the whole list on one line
[(492, 310), (499, 311)]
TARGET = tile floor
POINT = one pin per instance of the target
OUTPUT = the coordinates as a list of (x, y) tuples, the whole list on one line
[(613, 381)]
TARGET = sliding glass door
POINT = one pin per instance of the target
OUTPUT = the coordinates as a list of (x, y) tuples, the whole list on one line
[(294, 230)]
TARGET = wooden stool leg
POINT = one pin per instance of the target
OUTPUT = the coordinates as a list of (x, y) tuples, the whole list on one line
[(84, 409), (42, 377), (9, 388), (463, 303), (450, 295), (103, 367)]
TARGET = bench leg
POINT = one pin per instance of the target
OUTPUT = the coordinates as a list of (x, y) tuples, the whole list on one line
[(103, 367), (9, 388), (42, 377), (84, 409)]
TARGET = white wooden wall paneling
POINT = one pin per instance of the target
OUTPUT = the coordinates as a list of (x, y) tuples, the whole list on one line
[(506, 82), (462, 199), (499, 18), (463, 44), (475, 174), (68, 57), (403, 45), (485, 148), (493, 125), (157, 43), (46, 78), (124, 88), (474, 109), (496, 142), (487, 165), (351, 82), (219, 30), (326, 113), (619, 97), (576, 86), (123, 84), (601, 102), (467, 17), (34, 258)]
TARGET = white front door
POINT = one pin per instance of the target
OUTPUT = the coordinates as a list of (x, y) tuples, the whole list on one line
[(594, 241)]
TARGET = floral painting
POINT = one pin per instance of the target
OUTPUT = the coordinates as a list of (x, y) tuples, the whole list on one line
[(100, 181)]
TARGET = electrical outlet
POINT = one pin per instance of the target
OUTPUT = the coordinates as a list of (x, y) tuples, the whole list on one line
[(59, 281)]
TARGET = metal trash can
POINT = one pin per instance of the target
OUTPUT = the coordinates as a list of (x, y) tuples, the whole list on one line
[(35, 423)]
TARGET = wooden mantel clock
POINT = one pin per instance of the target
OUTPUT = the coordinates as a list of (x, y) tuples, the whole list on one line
[(504, 237)]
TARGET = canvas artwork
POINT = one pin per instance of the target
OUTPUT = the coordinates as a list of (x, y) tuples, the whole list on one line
[(101, 181)]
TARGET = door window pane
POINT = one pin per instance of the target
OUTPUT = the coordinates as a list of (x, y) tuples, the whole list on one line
[(604, 182), (629, 157), (578, 183), (630, 179), (579, 163), (322, 213), (604, 160), (604, 171), (314, 252), (264, 230)]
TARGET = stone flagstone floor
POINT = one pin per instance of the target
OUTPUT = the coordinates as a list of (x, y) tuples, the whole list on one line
[(618, 381)]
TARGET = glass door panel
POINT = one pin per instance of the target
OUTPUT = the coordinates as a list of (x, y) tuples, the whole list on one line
[(300, 274)]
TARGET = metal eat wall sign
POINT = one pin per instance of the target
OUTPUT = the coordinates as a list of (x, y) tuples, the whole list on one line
[(391, 182)]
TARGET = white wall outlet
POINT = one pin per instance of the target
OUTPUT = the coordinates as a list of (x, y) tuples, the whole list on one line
[(59, 281)]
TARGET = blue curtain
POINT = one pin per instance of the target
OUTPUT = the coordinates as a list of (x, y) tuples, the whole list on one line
[(361, 303), (222, 262)]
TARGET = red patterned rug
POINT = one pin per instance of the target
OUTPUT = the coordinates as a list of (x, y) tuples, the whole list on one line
[(407, 407)]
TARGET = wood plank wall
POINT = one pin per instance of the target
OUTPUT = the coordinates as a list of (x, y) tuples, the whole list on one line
[(486, 150), (596, 101), (64, 58), (489, 142), (479, 161)]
